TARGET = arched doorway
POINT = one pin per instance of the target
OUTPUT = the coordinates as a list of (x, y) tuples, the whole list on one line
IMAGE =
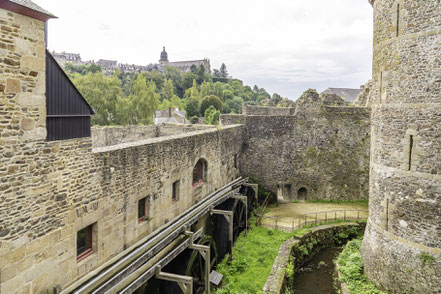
[(301, 194)]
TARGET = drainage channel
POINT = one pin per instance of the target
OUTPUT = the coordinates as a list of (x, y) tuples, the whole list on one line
[(315, 277)]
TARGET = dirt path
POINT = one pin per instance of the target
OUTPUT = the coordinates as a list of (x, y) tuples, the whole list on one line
[(292, 214)]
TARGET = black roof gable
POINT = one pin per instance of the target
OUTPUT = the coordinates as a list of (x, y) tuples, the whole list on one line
[(62, 97)]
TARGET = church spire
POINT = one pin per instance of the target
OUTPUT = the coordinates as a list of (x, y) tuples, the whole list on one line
[(164, 56)]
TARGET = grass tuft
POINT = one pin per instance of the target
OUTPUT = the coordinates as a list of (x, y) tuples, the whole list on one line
[(253, 258), (351, 268)]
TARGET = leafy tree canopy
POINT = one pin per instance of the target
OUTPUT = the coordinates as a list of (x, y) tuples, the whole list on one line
[(210, 100)]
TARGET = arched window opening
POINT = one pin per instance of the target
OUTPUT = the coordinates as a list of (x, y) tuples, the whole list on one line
[(200, 172), (301, 194)]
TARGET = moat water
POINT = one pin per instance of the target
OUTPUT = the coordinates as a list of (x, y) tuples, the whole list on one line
[(315, 276)]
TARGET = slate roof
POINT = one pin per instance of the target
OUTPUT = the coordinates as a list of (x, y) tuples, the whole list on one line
[(31, 5), (187, 63), (348, 94)]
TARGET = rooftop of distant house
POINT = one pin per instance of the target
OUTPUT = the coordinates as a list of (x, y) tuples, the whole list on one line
[(347, 94), (172, 115)]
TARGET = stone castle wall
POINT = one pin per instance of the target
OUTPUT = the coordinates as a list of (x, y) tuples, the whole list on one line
[(50, 190), (265, 110), (325, 151), (73, 186), (106, 136), (403, 230)]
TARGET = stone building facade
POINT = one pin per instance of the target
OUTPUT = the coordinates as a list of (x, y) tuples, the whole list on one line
[(402, 243), (311, 151), (64, 57), (184, 66)]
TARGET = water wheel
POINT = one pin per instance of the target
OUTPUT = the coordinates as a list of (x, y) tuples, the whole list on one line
[(239, 218), (196, 264)]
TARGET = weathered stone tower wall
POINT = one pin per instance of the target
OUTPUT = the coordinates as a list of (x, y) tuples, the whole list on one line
[(309, 152), (401, 247)]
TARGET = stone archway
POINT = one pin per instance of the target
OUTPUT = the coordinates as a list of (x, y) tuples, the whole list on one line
[(301, 194)]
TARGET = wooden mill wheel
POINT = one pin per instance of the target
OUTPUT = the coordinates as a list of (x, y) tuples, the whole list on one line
[(239, 218), (196, 264)]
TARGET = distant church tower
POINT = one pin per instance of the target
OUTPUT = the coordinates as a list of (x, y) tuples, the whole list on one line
[(164, 57)]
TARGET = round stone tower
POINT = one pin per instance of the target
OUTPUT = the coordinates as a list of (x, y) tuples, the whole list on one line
[(401, 246)]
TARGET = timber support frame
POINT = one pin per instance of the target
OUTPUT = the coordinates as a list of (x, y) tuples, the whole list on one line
[(204, 251), (184, 282), (244, 200), (229, 217)]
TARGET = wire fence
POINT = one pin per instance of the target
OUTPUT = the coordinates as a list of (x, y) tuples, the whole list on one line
[(289, 225)]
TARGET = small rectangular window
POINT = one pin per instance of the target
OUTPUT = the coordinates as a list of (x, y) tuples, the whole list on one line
[(410, 152), (235, 160), (175, 191), (84, 242), (398, 20), (141, 210)]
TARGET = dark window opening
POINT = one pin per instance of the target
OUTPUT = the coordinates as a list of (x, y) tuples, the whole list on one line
[(302, 194), (175, 191), (387, 215), (141, 210), (288, 190), (410, 151), (199, 172), (381, 86), (398, 20), (84, 242), (235, 160)]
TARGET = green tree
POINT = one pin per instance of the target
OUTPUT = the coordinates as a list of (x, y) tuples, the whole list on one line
[(173, 74), (155, 76), (223, 71), (210, 101), (144, 101), (211, 115), (233, 106), (216, 73), (82, 69), (102, 93), (205, 89), (192, 92), (168, 90), (200, 72), (218, 88), (276, 98), (227, 94), (187, 80), (192, 107), (194, 119)]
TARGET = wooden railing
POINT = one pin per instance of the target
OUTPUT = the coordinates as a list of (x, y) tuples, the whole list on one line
[(289, 225)]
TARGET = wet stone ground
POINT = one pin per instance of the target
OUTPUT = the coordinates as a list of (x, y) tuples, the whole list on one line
[(315, 277)]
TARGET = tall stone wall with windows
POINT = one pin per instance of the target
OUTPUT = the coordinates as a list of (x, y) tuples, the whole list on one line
[(51, 190), (402, 244), (72, 186), (322, 149)]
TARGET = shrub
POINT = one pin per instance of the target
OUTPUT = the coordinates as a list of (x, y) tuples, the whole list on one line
[(210, 100)]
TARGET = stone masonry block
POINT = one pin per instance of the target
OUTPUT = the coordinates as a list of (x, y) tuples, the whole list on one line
[(13, 86), (29, 99), (33, 63), (27, 124)]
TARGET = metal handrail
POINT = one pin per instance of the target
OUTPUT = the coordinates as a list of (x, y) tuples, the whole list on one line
[(304, 219)]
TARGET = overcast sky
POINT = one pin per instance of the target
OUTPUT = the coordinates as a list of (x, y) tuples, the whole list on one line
[(284, 46)]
